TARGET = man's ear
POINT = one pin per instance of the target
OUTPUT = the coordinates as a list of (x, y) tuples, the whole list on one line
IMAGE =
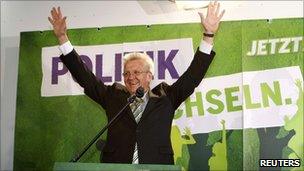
[(150, 76)]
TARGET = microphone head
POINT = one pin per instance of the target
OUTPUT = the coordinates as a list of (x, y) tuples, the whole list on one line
[(140, 92)]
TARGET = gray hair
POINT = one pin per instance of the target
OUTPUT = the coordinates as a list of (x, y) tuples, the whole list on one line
[(143, 56)]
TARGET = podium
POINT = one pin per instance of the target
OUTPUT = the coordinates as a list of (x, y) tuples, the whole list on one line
[(62, 166)]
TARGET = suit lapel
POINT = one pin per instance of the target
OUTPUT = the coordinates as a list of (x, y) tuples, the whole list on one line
[(151, 103), (153, 98), (130, 117)]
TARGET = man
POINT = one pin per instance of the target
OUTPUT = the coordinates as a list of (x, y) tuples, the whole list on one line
[(142, 135)]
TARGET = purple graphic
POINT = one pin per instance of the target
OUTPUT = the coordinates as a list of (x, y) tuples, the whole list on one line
[(164, 63)]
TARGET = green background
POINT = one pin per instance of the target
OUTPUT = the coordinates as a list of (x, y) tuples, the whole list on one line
[(50, 129)]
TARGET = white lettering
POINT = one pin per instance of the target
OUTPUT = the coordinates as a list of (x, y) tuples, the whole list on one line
[(286, 42), (273, 43), (296, 43), (262, 47), (273, 46), (253, 48)]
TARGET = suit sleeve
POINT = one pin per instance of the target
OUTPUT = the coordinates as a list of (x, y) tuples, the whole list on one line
[(93, 87), (191, 78)]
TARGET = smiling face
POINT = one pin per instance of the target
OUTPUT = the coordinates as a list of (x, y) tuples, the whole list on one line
[(136, 74)]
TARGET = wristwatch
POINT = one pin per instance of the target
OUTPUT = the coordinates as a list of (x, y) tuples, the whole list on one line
[(209, 35)]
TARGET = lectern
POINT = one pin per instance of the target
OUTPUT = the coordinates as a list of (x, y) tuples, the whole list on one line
[(62, 166)]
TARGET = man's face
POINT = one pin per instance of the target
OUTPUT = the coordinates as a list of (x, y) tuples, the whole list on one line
[(136, 74)]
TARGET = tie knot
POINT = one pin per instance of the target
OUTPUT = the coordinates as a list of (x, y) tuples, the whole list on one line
[(139, 100)]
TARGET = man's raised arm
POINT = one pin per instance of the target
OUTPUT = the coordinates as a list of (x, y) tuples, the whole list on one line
[(59, 25), (211, 22), (93, 87), (192, 77)]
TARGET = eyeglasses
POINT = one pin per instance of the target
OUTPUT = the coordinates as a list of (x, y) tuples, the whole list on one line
[(135, 73)]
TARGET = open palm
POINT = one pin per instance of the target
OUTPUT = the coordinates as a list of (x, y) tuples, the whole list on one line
[(58, 22), (212, 20)]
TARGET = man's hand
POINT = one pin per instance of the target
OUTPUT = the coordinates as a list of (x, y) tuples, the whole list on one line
[(212, 20), (59, 25)]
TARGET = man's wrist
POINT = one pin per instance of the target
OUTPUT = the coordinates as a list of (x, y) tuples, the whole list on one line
[(208, 39), (63, 39), (205, 47), (66, 48), (208, 34)]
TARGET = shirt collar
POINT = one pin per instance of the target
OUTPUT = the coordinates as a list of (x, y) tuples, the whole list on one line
[(144, 99)]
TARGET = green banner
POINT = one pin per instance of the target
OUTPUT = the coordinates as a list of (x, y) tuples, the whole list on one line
[(54, 129)]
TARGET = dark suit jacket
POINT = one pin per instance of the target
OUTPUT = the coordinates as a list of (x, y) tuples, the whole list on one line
[(152, 133)]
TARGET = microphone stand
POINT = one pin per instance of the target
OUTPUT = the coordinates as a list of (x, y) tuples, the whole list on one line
[(78, 156)]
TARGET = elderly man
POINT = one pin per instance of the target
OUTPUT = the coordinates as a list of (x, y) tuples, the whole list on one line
[(142, 135)]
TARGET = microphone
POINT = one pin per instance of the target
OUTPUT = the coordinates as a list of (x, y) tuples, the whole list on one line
[(140, 91), (100, 145)]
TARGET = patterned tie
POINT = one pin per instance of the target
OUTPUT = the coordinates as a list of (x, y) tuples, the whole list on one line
[(137, 108)]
